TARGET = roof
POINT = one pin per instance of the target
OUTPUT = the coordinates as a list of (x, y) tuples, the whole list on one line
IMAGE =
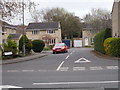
[(86, 26), (44, 25), (15, 36)]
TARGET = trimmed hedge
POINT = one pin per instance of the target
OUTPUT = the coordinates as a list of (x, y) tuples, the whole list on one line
[(38, 45), (99, 40), (28, 44), (112, 46)]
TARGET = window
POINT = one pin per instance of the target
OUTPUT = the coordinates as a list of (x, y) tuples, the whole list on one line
[(34, 32), (50, 31), (52, 41)]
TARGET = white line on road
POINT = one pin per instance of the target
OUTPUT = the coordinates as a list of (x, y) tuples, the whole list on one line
[(62, 83), (12, 71), (64, 69), (71, 53), (67, 57), (8, 86), (60, 65), (27, 70)]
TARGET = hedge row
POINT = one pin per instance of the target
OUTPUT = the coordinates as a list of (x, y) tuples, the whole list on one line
[(112, 46), (99, 40)]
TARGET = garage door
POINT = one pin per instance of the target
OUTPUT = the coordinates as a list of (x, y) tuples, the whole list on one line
[(77, 43)]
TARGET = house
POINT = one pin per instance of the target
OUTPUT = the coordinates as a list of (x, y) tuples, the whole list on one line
[(50, 32), (0, 32), (88, 35), (116, 19), (7, 29)]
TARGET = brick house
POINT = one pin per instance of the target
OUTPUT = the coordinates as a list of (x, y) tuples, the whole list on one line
[(116, 19), (50, 32)]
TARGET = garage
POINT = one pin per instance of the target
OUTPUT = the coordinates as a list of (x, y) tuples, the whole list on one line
[(77, 43)]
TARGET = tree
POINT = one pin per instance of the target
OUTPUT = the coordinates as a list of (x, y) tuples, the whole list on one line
[(11, 9), (28, 44), (70, 24), (99, 19)]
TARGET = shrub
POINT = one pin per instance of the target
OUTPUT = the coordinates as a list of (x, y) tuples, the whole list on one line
[(28, 44), (10, 46), (38, 45), (99, 40), (112, 46)]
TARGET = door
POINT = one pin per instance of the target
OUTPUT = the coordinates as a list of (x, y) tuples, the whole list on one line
[(86, 41)]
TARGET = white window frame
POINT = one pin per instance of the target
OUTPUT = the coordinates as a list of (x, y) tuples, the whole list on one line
[(50, 31), (35, 32), (52, 41)]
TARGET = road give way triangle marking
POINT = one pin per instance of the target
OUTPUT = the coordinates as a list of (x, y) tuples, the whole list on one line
[(82, 60)]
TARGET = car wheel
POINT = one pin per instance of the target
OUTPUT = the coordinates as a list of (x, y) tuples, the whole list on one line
[(53, 52)]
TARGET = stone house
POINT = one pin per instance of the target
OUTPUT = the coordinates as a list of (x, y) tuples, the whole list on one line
[(116, 19), (0, 32), (88, 35), (7, 29), (49, 32)]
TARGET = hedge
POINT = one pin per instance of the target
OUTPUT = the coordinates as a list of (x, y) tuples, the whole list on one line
[(38, 45), (99, 40), (28, 44), (112, 46)]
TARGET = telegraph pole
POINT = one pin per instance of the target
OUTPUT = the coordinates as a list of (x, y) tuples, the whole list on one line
[(24, 52)]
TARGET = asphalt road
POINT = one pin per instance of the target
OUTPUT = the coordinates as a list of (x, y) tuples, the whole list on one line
[(79, 68)]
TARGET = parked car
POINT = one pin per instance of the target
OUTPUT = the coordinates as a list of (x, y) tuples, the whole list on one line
[(60, 47)]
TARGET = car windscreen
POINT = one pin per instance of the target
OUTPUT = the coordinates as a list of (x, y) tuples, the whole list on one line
[(60, 45)]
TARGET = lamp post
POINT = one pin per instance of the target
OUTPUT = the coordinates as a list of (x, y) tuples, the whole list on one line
[(24, 52)]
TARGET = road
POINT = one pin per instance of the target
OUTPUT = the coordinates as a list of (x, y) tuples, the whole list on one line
[(79, 68)]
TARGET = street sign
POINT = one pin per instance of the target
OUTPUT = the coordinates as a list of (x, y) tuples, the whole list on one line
[(82, 60)]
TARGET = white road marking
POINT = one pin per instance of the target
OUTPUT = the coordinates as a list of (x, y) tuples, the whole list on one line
[(71, 53), (12, 71), (112, 67), (27, 70), (82, 60), (96, 68), (67, 57), (64, 69), (78, 68), (8, 86), (60, 65), (68, 83)]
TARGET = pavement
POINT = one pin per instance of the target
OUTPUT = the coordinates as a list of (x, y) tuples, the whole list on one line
[(26, 58)]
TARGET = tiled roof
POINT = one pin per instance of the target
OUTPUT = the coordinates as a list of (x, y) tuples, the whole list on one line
[(86, 26), (15, 36), (45, 25)]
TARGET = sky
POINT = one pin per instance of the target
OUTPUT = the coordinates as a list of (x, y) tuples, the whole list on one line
[(78, 7)]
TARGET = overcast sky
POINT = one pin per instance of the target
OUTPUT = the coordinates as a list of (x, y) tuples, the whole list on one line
[(78, 7)]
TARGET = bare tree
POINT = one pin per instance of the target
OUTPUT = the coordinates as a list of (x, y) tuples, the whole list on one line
[(98, 19), (11, 9)]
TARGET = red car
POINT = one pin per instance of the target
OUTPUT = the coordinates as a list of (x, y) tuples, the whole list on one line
[(59, 47)]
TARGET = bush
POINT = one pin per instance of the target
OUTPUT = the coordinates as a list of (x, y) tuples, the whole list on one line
[(28, 44), (112, 46), (10, 46), (99, 40), (38, 45)]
